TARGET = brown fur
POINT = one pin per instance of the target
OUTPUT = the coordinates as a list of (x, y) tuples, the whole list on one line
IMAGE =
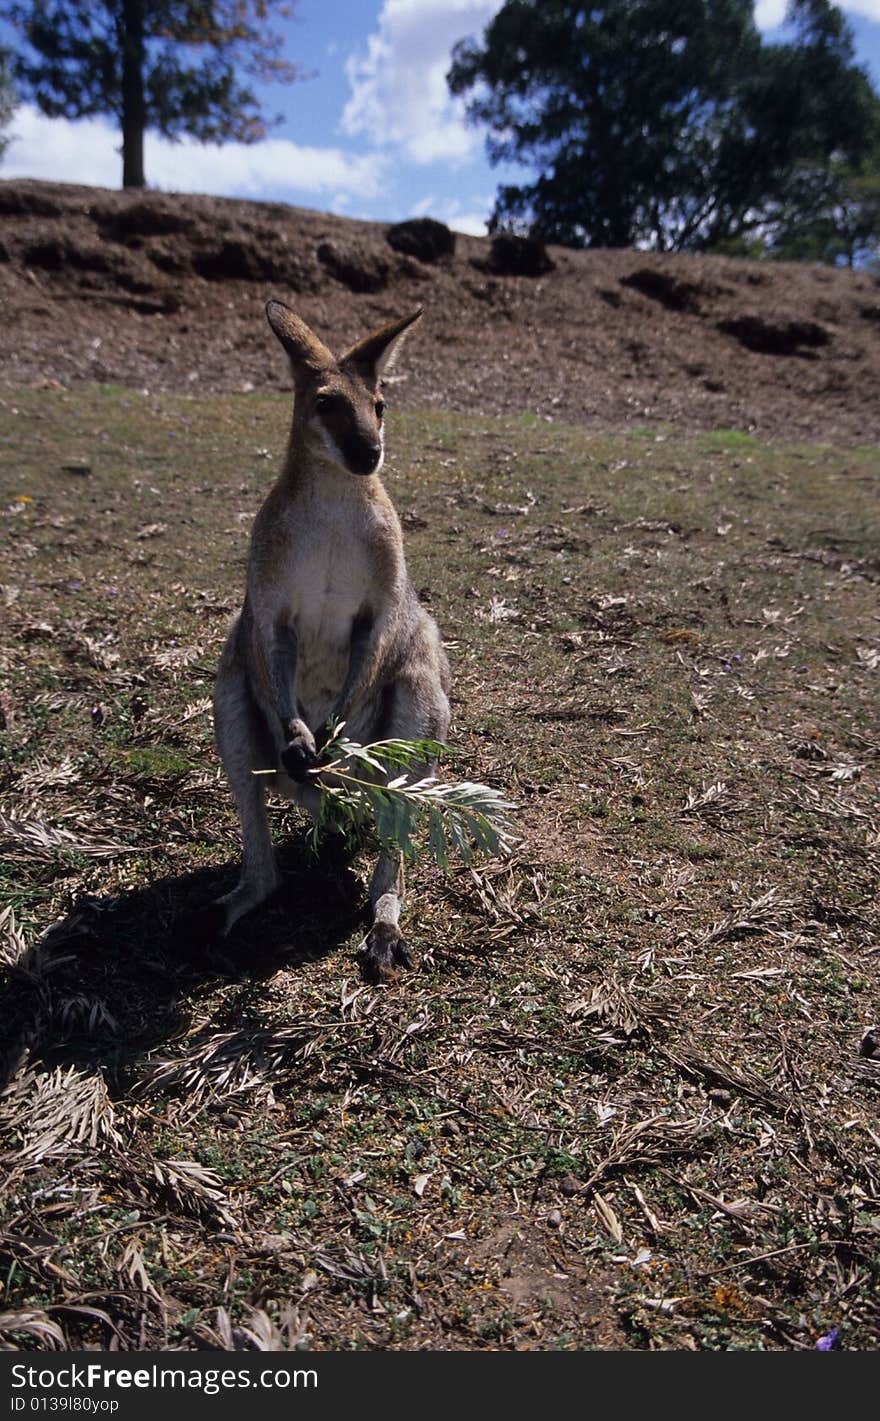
[(331, 626)]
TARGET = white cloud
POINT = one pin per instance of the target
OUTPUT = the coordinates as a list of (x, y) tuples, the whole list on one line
[(473, 221), (56, 149), (869, 8), (87, 151), (770, 13), (399, 96)]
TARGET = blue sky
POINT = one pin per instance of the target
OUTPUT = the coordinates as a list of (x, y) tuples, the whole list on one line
[(373, 134)]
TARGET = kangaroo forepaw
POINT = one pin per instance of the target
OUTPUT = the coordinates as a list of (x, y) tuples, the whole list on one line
[(383, 954), (298, 757)]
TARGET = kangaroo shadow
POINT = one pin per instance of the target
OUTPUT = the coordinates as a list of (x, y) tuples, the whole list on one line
[(119, 976)]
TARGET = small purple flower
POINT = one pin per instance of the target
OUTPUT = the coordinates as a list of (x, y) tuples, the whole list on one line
[(727, 666), (829, 1341), (112, 591), (737, 657), (103, 436), (74, 586), (500, 532)]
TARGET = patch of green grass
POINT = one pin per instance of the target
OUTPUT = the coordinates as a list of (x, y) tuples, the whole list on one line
[(154, 760), (729, 440)]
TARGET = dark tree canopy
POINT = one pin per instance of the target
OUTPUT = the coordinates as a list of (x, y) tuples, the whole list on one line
[(669, 123), (169, 65)]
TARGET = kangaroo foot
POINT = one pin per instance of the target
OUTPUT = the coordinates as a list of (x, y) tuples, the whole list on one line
[(384, 953)]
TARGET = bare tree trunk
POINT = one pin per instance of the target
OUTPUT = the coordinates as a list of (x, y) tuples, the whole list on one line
[(133, 105)]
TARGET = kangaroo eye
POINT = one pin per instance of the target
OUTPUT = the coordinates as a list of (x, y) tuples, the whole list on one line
[(380, 408), (323, 402)]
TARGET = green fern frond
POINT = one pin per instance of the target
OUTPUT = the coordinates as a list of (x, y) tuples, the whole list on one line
[(360, 788)]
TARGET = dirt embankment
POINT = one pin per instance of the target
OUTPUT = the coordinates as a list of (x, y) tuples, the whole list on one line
[(166, 291)]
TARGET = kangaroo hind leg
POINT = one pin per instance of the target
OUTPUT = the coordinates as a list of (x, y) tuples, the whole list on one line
[(244, 746), (385, 949), (413, 715)]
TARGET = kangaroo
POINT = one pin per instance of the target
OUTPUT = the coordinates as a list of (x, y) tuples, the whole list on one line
[(331, 626)]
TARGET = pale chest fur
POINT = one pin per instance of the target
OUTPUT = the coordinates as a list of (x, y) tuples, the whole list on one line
[(326, 581)]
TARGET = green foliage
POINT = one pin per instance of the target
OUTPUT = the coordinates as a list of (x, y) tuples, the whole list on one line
[(168, 65), (669, 124), (843, 227), (408, 813)]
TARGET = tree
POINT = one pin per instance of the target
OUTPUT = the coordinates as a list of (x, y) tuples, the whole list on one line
[(842, 225), (666, 123), (7, 102), (798, 170), (168, 65)]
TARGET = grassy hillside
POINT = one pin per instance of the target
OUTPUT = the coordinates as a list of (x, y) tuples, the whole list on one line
[(621, 1103)]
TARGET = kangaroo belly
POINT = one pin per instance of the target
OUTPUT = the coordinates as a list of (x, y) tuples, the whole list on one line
[(322, 662)]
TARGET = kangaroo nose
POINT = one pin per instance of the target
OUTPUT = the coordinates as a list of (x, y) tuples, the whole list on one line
[(363, 456)]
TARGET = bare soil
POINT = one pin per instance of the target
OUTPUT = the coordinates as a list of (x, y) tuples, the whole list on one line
[(165, 291)]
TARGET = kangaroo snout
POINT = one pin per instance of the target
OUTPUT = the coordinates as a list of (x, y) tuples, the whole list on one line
[(363, 458)]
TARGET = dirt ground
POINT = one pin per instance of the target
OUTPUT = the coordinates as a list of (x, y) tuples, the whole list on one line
[(166, 292)]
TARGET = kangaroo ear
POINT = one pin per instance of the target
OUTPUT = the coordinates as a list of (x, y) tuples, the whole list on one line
[(308, 355), (376, 353)]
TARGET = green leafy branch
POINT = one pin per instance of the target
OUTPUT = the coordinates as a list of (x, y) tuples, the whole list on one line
[(449, 819)]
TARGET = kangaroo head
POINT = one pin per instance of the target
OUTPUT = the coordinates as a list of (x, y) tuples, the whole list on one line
[(339, 407)]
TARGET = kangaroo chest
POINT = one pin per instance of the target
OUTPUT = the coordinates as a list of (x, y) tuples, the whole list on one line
[(329, 585), (330, 582)]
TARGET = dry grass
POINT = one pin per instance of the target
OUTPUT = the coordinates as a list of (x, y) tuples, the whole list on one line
[(628, 1099)]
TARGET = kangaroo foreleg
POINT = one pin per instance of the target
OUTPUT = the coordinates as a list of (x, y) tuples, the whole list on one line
[(364, 653), (275, 649)]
